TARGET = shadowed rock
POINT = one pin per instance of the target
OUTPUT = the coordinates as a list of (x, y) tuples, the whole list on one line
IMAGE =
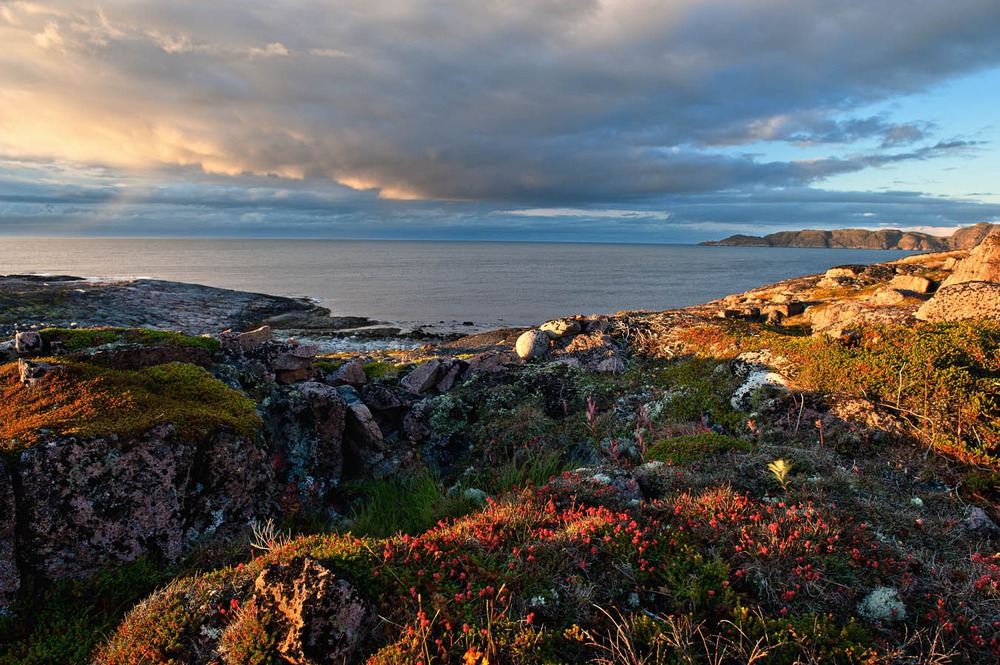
[(88, 504)]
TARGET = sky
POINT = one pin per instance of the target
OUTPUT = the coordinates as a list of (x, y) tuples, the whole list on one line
[(562, 120)]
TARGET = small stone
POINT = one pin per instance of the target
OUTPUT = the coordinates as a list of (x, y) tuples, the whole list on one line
[(612, 365), (849, 272), (532, 344), (978, 521), (783, 308), (28, 343), (249, 340), (32, 372)]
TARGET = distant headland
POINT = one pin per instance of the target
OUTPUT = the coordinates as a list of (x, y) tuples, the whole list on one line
[(964, 238)]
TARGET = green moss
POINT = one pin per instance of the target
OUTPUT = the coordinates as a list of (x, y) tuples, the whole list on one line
[(379, 370), (89, 400), (327, 364), (694, 447), (77, 339)]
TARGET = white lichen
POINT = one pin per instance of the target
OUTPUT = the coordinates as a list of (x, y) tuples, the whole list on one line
[(882, 604), (755, 382)]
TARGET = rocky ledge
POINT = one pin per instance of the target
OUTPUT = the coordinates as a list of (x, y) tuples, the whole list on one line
[(38, 301)]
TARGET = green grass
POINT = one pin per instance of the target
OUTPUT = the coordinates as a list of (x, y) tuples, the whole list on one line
[(941, 378), (406, 505), (63, 621)]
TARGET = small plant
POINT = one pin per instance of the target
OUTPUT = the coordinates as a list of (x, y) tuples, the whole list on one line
[(780, 469), (266, 536), (591, 414)]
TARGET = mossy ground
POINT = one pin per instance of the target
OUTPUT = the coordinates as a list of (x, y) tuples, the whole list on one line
[(88, 400)]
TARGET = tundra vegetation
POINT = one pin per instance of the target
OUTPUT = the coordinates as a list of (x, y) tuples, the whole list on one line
[(569, 517)]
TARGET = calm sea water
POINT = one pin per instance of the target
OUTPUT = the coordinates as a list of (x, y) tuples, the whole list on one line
[(489, 283)]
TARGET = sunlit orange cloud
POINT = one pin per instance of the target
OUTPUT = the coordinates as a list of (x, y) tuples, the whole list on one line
[(393, 192)]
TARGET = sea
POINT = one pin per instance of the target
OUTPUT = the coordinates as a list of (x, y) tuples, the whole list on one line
[(440, 283)]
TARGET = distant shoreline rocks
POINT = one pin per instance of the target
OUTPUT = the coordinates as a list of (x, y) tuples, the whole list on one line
[(891, 239)]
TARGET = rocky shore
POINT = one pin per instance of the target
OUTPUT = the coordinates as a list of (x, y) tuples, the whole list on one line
[(810, 469)]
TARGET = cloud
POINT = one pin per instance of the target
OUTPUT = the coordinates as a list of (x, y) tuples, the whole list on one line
[(555, 103), (53, 199)]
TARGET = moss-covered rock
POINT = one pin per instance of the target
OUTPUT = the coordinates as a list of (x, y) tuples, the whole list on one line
[(87, 400)]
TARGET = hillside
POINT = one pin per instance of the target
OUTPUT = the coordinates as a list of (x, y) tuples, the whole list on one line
[(965, 238)]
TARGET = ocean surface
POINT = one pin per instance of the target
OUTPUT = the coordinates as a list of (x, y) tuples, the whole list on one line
[(491, 284)]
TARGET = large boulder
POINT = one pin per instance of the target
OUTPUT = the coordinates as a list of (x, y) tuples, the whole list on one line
[(92, 503), (833, 316), (912, 283), (982, 264), (532, 344), (963, 302)]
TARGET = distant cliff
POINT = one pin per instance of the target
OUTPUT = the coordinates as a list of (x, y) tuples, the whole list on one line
[(964, 238)]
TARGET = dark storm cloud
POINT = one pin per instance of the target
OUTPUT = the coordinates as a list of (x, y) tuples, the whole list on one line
[(549, 100)]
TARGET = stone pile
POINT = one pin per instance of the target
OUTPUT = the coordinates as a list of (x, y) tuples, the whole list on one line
[(583, 342)]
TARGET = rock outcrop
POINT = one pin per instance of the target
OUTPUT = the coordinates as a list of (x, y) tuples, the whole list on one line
[(91, 503), (964, 301), (982, 264), (577, 341), (306, 423), (972, 291), (10, 576), (158, 304)]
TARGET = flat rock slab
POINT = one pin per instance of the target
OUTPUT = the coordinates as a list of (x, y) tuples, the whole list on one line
[(192, 308)]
